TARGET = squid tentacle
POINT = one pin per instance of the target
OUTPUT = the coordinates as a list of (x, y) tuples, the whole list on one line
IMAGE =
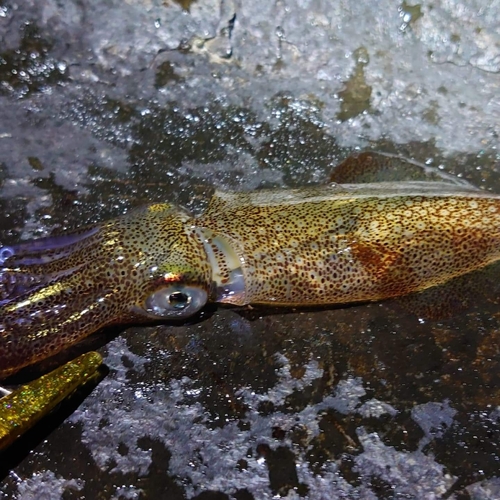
[(50, 317), (33, 264)]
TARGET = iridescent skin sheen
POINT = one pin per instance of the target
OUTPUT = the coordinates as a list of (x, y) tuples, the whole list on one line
[(335, 244)]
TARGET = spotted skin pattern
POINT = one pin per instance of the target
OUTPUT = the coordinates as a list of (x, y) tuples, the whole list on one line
[(341, 245), (327, 245), (95, 282)]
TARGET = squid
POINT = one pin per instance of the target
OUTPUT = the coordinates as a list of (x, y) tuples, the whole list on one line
[(315, 246)]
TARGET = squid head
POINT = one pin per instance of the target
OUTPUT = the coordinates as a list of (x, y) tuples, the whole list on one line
[(147, 265)]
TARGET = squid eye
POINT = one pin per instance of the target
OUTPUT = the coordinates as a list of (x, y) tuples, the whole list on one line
[(175, 302), (179, 300)]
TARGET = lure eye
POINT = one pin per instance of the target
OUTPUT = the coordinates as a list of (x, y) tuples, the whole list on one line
[(5, 253), (175, 302)]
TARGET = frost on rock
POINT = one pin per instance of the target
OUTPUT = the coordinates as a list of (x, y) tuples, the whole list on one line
[(413, 474), (206, 458), (485, 490), (376, 408), (434, 419), (472, 28), (46, 486)]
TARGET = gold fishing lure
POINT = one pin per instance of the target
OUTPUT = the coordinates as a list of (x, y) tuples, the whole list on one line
[(25, 406), (333, 244)]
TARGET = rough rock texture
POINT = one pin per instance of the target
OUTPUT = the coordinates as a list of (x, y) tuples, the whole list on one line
[(109, 105)]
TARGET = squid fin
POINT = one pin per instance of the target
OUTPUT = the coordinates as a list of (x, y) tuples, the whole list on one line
[(371, 166)]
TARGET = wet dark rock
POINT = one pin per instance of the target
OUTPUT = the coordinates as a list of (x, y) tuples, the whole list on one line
[(110, 105)]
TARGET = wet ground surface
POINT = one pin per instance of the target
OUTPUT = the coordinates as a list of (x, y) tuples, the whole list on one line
[(110, 105)]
